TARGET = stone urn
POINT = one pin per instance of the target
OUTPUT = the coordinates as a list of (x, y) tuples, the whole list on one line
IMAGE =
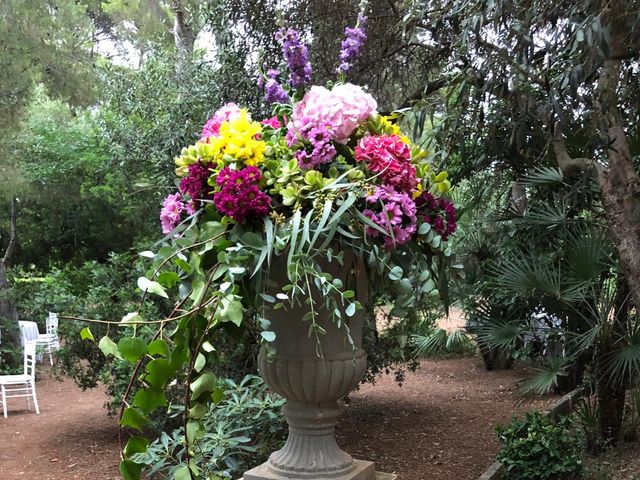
[(313, 384)]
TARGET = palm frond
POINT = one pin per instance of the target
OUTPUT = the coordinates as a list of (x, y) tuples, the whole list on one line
[(543, 176), (546, 378), (430, 344), (441, 342), (624, 361), (587, 254), (500, 335), (547, 214)]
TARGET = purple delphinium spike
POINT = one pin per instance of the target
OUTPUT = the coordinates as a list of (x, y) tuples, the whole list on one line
[(297, 57), (352, 45), (273, 90)]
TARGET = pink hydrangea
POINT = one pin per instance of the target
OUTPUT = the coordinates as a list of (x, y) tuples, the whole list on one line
[(340, 111), (225, 113), (357, 107), (394, 212), (390, 158), (172, 208), (240, 196)]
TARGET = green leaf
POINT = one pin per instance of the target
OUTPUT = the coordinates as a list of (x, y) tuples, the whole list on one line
[(182, 473), (198, 411), (159, 371), (131, 317), (396, 273), (351, 310), (203, 384), (132, 417), (168, 279), (200, 362), (130, 470), (218, 395), (151, 286), (135, 445), (148, 399), (198, 288), (268, 336), (232, 312), (158, 347), (132, 348), (424, 228), (267, 298), (85, 334), (108, 347)]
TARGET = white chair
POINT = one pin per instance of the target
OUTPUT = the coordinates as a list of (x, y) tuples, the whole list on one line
[(22, 385), (29, 333), (52, 330)]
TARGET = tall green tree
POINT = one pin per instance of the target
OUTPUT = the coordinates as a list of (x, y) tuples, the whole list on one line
[(525, 84)]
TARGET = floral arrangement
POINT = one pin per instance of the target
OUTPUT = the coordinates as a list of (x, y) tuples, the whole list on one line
[(325, 174)]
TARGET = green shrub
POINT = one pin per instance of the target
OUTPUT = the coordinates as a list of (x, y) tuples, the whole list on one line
[(10, 351), (240, 432), (539, 448)]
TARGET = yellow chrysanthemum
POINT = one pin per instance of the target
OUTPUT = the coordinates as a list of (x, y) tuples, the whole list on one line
[(418, 191), (237, 139), (390, 128)]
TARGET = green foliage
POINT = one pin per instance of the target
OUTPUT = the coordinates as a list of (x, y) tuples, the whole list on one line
[(42, 46), (239, 432), (539, 448), (91, 290), (438, 342), (10, 352), (80, 209)]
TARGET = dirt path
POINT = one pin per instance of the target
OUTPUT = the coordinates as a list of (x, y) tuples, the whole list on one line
[(438, 425), (72, 438)]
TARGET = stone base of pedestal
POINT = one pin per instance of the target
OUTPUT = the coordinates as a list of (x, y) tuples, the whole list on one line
[(364, 471), (379, 476)]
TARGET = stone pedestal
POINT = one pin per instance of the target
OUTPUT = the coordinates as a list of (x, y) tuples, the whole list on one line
[(313, 384)]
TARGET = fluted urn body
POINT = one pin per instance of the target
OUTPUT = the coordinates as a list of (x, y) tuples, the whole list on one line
[(313, 373)]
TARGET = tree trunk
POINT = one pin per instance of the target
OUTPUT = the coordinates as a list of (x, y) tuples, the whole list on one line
[(183, 32), (612, 389), (7, 307)]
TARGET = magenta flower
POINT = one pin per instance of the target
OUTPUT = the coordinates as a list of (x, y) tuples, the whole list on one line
[(195, 184), (439, 212), (272, 122), (394, 212), (171, 212), (390, 158), (240, 196)]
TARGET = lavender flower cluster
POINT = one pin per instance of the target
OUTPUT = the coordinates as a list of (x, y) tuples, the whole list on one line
[(352, 45), (274, 92), (297, 57)]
